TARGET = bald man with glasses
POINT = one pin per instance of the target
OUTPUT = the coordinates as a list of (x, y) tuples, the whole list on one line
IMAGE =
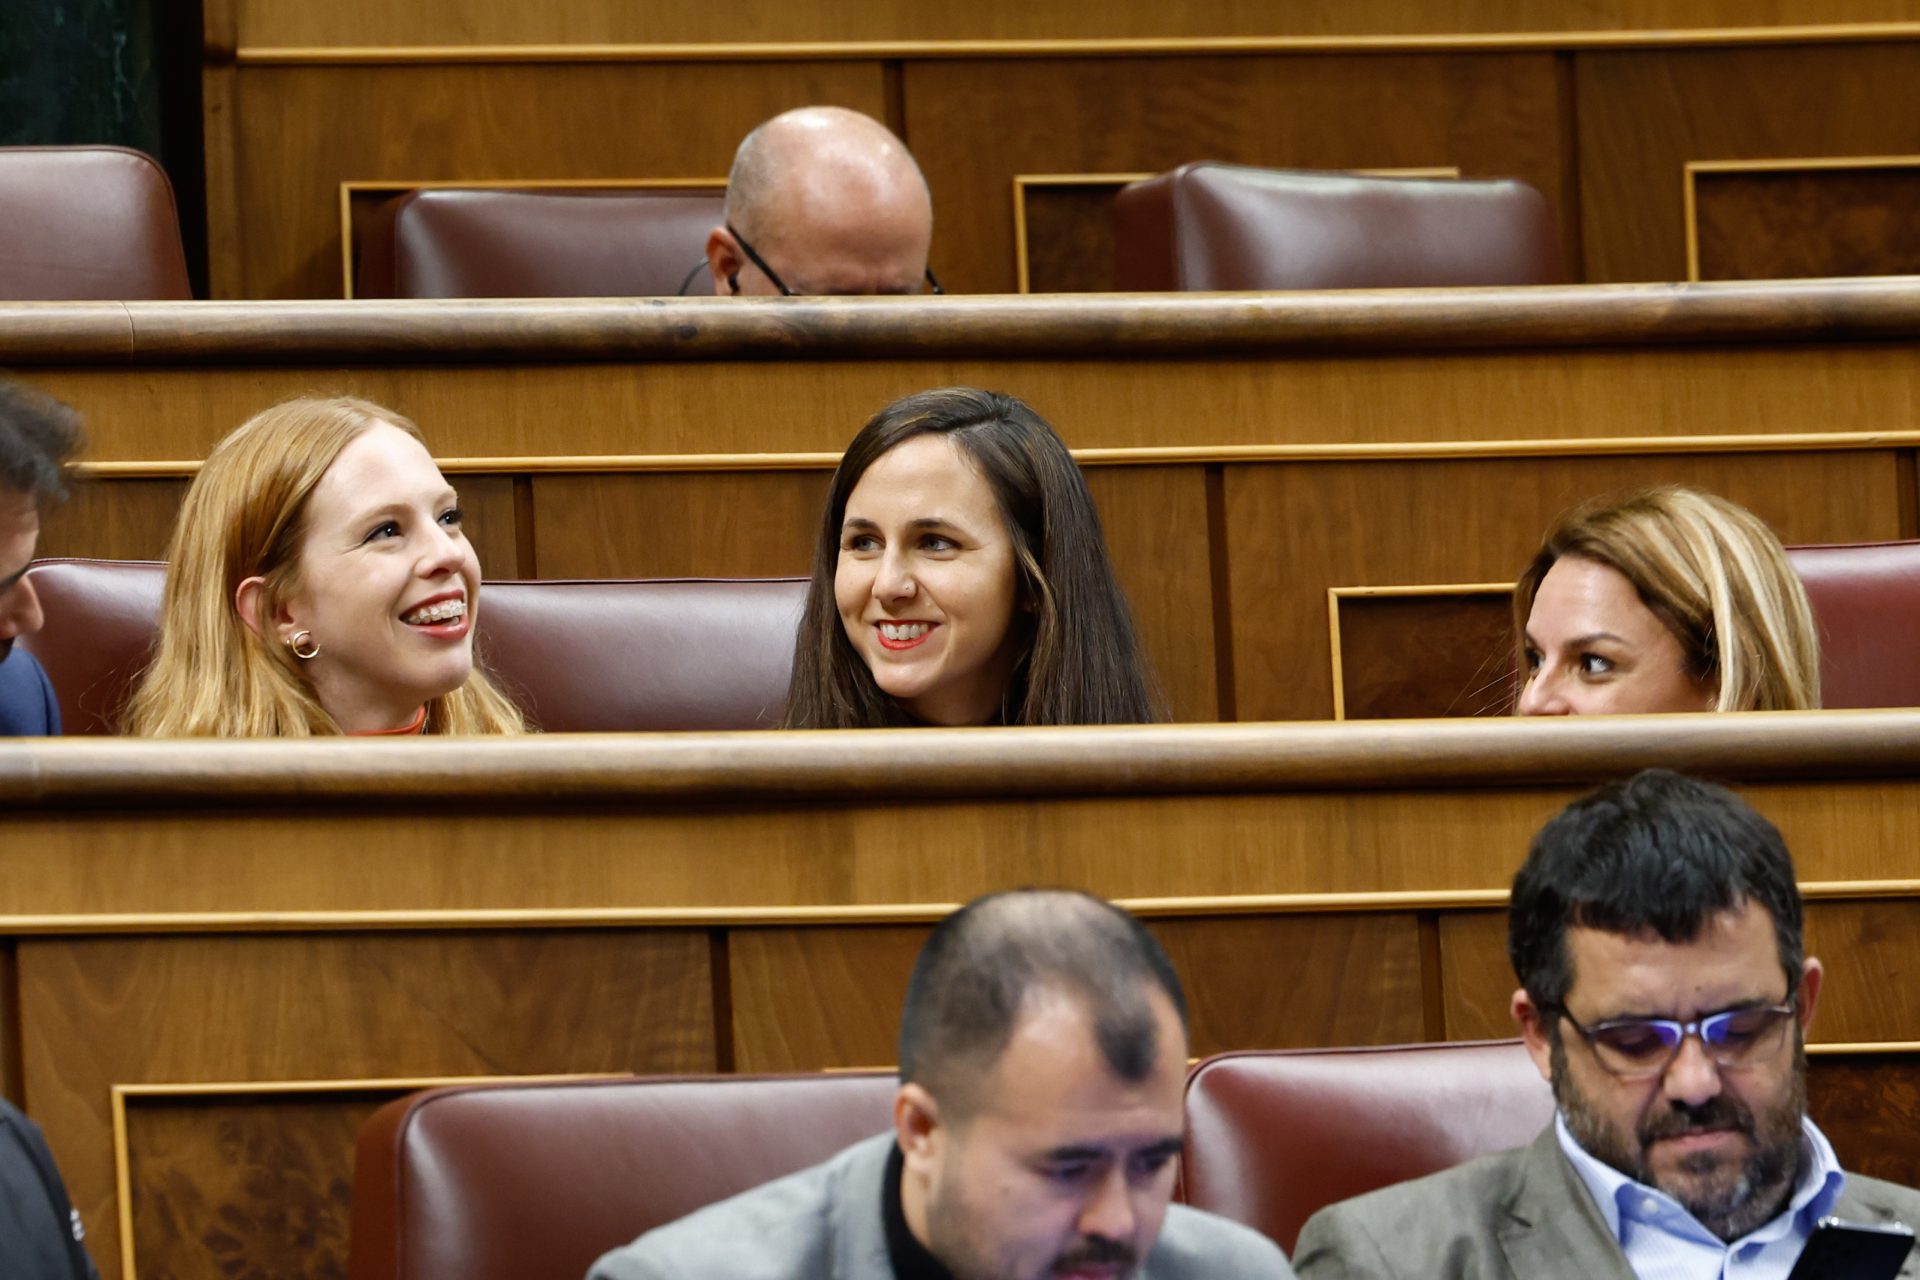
[(822, 200), (1665, 994)]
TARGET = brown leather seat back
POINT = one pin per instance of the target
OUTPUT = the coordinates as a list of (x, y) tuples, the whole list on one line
[(1866, 602), (1273, 1137), (535, 1181), (1210, 226), (446, 243), (88, 223), (579, 657)]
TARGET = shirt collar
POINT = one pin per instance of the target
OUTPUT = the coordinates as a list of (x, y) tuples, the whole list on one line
[(1820, 1186), (910, 1258)]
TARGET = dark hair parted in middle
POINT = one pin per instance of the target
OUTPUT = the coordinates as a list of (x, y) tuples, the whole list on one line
[(1659, 852), (1079, 660), (983, 962)]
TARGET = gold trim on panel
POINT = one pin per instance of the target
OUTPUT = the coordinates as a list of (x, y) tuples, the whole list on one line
[(841, 50), (348, 190), (123, 1151), (1842, 1047), (1336, 594), (242, 922), (1389, 451), (1021, 181), (1772, 164)]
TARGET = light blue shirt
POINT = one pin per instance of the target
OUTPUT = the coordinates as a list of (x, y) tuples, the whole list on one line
[(1662, 1241)]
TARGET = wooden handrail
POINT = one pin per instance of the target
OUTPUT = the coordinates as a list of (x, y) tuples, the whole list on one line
[(1065, 325), (510, 773)]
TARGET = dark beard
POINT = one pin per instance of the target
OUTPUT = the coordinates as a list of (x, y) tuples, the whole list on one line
[(6, 647), (1766, 1180)]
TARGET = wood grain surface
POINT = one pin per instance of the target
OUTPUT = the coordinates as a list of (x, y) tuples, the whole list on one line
[(1780, 224)]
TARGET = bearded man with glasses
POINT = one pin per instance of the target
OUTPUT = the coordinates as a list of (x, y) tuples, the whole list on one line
[(1665, 994)]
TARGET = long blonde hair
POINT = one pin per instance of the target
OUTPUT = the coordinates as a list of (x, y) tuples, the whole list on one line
[(244, 516), (1716, 577)]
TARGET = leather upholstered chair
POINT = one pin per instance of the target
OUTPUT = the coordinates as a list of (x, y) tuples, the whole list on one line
[(613, 656), (88, 223), (448, 243), (1211, 226), (1273, 1137), (534, 1181), (1866, 602)]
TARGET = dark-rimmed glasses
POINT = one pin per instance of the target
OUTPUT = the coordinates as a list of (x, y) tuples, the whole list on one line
[(1639, 1048), (753, 256)]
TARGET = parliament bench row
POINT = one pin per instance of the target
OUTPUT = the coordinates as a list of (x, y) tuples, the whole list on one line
[(640, 655), (532, 1181)]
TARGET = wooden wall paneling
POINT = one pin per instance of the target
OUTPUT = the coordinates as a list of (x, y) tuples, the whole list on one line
[(821, 997), (485, 22), (1423, 652), (12, 1072), (1868, 948), (114, 519), (1297, 981), (807, 999), (101, 1012), (1786, 219), (1644, 114), (243, 1186), (1293, 534), (740, 524), (512, 408), (1868, 1105), (1155, 520), (1487, 114), (301, 131), (1063, 230)]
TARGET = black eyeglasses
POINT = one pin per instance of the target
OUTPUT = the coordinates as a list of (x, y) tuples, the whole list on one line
[(1639, 1048), (753, 256)]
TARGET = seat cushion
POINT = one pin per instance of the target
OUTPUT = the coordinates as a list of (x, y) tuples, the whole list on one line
[(1866, 603), (1209, 226), (1273, 1137), (447, 243), (88, 223), (535, 1181)]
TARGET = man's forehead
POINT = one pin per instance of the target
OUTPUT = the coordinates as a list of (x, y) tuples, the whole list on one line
[(1733, 954)]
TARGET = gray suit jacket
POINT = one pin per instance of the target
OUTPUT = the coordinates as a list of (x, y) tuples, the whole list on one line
[(824, 1223), (1520, 1215)]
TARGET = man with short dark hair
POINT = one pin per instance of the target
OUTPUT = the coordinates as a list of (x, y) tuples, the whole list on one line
[(822, 200), (38, 435), (1043, 1055), (1656, 932)]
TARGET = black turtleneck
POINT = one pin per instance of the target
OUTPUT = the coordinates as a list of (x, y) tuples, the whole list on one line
[(910, 1258)]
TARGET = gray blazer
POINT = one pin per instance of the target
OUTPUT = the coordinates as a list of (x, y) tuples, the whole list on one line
[(824, 1223), (1520, 1215)]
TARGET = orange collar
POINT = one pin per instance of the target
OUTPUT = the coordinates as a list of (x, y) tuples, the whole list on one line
[(416, 725)]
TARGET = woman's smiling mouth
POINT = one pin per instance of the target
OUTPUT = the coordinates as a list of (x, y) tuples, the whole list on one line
[(902, 635)]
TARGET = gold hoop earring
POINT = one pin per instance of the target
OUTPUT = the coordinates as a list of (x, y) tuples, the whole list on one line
[(303, 645)]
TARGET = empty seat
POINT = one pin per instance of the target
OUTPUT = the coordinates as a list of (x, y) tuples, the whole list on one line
[(535, 1181), (88, 223), (1210, 226), (1866, 603), (579, 657), (448, 243), (1274, 1137)]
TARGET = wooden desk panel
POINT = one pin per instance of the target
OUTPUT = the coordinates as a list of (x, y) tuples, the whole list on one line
[(232, 920)]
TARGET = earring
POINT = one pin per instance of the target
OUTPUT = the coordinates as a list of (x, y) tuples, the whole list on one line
[(303, 645)]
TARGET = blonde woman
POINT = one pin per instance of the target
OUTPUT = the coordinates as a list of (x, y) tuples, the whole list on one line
[(1671, 600), (319, 583)]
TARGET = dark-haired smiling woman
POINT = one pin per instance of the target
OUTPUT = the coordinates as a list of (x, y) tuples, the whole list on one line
[(961, 578)]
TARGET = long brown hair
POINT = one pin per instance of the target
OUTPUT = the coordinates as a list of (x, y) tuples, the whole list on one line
[(244, 516), (1080, 660), (1716, 577)]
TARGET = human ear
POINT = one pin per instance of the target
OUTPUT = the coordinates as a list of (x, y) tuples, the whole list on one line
[(249, 599), (723, 261), (1533, 1030), (916, 1124), (1811, 974)]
